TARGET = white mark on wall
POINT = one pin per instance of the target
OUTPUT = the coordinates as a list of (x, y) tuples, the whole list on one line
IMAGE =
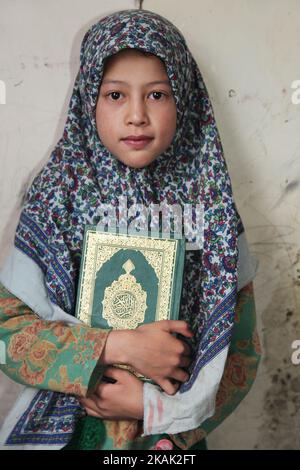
[(296, 95), (296, 354), (2, 92), (2, 352)]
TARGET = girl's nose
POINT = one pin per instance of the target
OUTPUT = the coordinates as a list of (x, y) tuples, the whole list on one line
[(137, 112)]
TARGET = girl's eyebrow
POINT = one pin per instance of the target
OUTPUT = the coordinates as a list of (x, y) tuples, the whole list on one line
[(156, 82)]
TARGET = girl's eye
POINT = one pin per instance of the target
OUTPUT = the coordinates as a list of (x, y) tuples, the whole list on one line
[(156, 94), (113, 95)]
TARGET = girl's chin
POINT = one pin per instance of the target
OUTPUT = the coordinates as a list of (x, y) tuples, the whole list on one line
[(137, 161)]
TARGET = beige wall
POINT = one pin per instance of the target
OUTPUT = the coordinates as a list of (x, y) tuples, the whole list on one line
[(248, 53)]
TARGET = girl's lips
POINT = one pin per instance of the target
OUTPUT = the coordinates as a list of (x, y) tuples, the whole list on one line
[(137, 144)]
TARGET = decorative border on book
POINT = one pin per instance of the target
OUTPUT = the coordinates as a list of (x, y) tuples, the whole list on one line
[(100, 247)]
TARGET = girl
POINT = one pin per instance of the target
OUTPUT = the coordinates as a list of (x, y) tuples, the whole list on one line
[(137, 77)]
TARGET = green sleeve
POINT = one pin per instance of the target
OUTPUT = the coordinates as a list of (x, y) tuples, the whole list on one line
[(48, 355), (239, 373)]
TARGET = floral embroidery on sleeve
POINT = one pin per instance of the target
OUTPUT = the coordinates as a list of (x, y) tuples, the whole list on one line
[(47, 355)]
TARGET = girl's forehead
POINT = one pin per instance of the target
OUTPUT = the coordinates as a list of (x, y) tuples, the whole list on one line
[(125, 59), (125, 55)]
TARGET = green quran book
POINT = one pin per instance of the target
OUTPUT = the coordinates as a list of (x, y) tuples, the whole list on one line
[(127, 280)]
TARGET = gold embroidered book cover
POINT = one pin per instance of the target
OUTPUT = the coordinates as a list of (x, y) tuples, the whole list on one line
[(129, 279)]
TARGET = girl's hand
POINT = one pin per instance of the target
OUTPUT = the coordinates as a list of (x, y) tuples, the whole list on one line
[(153, 351), (118, 401)]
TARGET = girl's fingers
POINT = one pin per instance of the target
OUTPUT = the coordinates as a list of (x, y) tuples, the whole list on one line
[(93, 413), (112, 376), (186, 349), (115, 373), (91, 404), (119, 376), (185, 361), (180, 375), (179, 326), (168, 386)]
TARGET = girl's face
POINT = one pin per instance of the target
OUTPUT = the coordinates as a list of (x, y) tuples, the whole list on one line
[(135, 107)]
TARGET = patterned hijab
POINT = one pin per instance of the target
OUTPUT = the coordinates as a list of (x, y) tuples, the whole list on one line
[(82, 174)]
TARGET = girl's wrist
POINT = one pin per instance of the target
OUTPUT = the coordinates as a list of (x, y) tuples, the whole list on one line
[(117, 347)]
